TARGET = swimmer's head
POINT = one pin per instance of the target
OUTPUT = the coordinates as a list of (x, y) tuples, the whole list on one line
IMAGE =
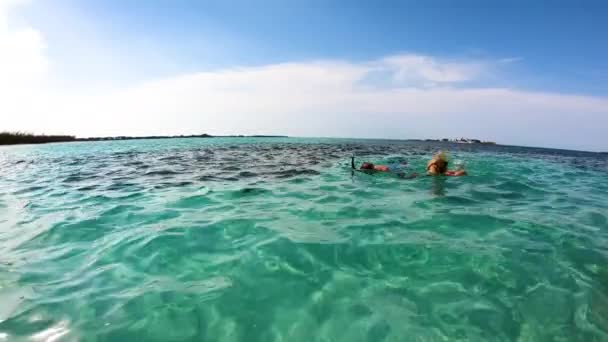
[(367, 166), (440, 163)]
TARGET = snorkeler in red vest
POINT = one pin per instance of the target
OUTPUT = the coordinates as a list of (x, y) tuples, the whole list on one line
[(396, 168)]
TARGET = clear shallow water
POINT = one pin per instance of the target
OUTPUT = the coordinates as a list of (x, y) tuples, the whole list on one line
[(275, 240)]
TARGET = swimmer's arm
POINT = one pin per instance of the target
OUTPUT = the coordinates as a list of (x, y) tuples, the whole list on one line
[(456, 173)]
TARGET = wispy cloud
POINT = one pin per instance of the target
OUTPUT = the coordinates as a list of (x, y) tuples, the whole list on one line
[(421, 69), (510, 60)]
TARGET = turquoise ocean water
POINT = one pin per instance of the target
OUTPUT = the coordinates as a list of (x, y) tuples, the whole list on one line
[(276, 240)]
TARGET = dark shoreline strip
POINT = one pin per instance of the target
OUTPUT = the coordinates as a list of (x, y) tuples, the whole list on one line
[(25, 138)]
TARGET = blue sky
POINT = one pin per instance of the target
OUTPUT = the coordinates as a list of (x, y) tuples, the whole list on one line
[(544, 64)]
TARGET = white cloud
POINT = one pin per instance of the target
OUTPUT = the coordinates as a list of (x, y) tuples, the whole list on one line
[(22, 59), (322, 99), (23, 69), (414, 96)]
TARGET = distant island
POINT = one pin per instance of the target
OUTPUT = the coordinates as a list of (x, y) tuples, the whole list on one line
[(461, 141), (16, 138), (122, 137)]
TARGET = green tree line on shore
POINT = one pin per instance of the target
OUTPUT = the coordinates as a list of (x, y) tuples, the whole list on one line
[(13, 138)]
